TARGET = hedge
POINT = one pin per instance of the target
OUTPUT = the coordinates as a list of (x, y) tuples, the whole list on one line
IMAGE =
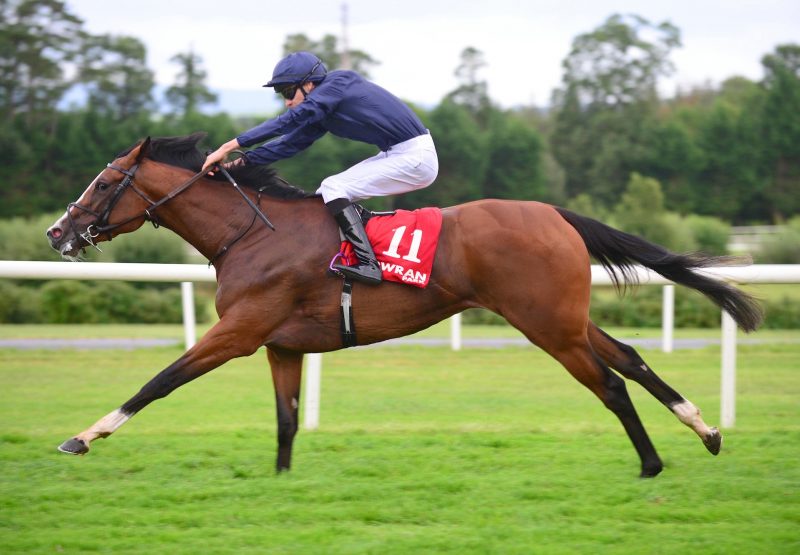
[(102, 302), (643, 309)]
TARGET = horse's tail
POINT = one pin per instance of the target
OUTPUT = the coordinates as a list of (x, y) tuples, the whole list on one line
[(618, 251)]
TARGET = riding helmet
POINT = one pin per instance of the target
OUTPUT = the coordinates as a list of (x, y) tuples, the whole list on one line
[(297, 68)]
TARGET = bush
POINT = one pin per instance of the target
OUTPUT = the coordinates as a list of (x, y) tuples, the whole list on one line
[(679, 237), (164, 306), (24, 238), (19, 305), (710, 234), (148, 245), (105, 302), (781, 248), (66, 302), (584, 205), (783, 314), (116, 302), (481, 317), (644, 309), (639, 308)]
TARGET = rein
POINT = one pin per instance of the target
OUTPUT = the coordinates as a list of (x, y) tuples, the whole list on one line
[(101, 225)]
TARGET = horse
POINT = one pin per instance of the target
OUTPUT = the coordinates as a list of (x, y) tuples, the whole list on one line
[(527, 261)]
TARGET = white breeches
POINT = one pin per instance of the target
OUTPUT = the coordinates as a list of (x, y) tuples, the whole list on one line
[(405, 167)]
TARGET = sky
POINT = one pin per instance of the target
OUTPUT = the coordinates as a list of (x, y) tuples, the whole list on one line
[(418, 42)]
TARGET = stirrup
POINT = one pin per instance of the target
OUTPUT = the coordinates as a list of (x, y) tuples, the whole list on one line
[(366, 273)]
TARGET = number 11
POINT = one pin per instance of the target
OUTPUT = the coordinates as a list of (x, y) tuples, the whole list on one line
[(416, 240)]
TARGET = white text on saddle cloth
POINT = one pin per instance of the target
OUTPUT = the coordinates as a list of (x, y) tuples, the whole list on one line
[(405, 244)]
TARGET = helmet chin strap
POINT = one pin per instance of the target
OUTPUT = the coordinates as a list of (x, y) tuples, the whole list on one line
[(305, 78), (302, 90)]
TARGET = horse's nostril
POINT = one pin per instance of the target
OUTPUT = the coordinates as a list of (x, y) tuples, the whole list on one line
[(55, 233)]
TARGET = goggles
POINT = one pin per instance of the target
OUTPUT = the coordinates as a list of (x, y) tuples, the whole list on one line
[(287, 91)]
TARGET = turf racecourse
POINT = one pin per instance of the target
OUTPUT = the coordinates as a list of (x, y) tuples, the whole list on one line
[(420, 450)]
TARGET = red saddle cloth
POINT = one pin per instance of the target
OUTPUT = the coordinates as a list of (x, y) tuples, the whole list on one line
[(404, 244)]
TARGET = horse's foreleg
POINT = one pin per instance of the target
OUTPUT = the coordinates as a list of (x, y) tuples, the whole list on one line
[(286, 373), (222, 343), (588, 369), (624, 359)]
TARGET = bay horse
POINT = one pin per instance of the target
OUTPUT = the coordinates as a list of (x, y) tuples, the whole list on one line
[(526, 261)]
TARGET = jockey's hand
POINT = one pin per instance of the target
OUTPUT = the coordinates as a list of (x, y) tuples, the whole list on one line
[(213, 159), (219, 155)]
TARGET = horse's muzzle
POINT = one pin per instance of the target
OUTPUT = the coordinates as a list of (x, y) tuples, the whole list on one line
[(67, 242)]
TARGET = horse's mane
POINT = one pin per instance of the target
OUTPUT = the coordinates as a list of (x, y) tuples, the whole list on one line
[(183, 153)]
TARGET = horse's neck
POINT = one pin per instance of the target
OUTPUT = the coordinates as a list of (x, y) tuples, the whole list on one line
[(208, 216)]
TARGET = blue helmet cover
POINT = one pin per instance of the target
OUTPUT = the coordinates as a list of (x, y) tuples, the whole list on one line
[(296, 68)]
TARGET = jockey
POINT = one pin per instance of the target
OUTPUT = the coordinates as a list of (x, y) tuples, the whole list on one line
[(348, 106)]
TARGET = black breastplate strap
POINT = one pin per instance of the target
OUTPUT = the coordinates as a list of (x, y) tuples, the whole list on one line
[(348, 324)]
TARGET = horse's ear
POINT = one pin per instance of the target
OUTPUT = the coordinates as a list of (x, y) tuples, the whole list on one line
[(143, 149)]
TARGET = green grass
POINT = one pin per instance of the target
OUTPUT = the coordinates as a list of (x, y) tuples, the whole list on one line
[(420, 450)]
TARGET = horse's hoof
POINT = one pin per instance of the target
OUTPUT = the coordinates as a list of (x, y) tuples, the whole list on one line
[(713, 441), (74, 446), (651, 470)]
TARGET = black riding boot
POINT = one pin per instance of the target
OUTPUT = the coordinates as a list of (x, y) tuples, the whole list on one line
[(368, 270)]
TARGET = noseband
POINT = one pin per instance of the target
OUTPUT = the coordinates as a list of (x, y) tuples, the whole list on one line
[(101, 225)]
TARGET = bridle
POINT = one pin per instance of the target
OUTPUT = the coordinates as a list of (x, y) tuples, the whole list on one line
[(101, 225)]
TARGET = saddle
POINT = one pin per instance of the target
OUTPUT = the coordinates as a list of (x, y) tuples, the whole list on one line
[(404, 243)]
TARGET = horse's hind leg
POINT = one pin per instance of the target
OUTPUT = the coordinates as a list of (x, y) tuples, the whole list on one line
[(561, 331), (589, 369), (624, 359), (287, 367)]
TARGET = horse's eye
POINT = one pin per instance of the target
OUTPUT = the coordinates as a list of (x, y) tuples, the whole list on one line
[(101, 186)]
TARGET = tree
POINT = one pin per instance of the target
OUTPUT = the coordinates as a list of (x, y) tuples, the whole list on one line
[(641, 212), (472, 92), (328, 51), (673, 157), (115, 72), (190, 91), (616, 64), (780, 128), (729, 176), (515, 162), (609, 92), (38, 41)]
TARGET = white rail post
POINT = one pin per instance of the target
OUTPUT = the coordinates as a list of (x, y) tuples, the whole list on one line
[(455, 332), (312, 394), (187, 298), (728, 380), (667, 318)]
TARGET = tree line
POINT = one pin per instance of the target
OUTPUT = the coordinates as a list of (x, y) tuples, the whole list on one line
[(731, 151)]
